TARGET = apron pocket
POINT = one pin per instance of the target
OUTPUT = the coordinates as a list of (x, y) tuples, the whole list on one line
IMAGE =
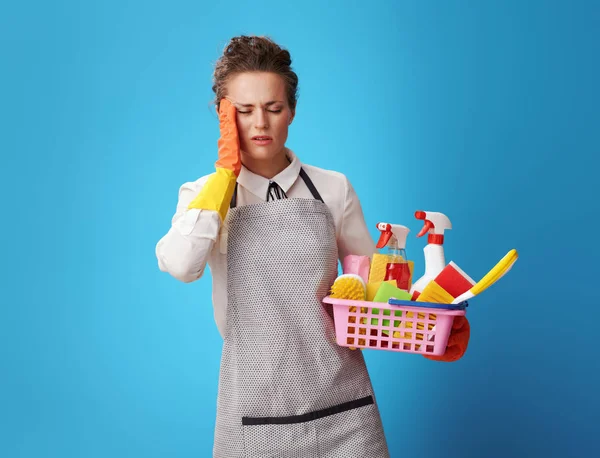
[(295, 440), (296, 436)]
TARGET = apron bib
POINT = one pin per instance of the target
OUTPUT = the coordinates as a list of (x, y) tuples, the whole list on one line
[(286, 389)]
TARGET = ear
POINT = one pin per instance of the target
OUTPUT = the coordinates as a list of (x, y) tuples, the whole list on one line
[(291, 117)]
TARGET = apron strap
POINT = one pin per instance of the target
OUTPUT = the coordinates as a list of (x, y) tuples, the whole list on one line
[(305, 178), (233, 202), (310, 185)]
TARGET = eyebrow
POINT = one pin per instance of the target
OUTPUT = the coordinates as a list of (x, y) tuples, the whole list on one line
[(249, 105)]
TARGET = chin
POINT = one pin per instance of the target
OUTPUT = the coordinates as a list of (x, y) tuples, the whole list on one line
[(263, 153)]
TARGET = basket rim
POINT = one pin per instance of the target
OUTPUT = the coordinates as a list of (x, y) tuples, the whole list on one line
[(460, 306), (399, 304)]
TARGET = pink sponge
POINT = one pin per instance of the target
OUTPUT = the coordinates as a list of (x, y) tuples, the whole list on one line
[(357, 265)]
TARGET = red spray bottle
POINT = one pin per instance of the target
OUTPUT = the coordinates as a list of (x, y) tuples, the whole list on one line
[(393, 236)]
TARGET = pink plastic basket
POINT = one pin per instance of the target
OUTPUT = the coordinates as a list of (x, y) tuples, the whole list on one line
[(406, 326)]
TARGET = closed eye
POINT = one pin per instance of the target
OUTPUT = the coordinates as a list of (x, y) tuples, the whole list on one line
[(248, 112)]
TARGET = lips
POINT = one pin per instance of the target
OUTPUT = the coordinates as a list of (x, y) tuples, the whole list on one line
[(261, 137)]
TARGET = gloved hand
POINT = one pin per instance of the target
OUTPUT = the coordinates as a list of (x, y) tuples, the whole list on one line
[(217, 192), (229, 141), (457, 342)]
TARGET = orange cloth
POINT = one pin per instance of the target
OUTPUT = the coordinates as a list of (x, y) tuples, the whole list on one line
[(457, 342)]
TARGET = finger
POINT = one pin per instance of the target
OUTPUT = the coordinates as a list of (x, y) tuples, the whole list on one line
[(225, 104), (457, 336), (459, 322), (452, 340), (226, 110), (232, 101), (452, 353)]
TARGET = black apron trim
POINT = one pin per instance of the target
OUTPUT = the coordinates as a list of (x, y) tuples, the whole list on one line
[(233, 202), (305, 177), (310, 185), (367, 400)]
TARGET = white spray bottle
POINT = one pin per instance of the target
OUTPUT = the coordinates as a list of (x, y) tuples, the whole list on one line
[(435, 224)]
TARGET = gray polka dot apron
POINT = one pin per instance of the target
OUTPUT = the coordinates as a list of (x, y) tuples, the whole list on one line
[(286, 389)]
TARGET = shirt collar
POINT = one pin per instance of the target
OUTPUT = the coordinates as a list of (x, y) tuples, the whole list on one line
[(258, 185)]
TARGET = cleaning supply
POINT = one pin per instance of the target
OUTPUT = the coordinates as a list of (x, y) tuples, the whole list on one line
[(451, 282), (459, 287), (388, 290), (454, 280), (385, 291), (379, 263), (372, 288), (349, 286), (379, 267), (434, 224), (433, 292), (393, 237), (352, 287), (497, 272), (358, 265), (393, 337)]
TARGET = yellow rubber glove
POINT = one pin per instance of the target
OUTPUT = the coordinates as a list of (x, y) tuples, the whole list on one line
[(217, 192)]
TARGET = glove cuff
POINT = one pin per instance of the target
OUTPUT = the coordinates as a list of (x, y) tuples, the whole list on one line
[(216, 194)]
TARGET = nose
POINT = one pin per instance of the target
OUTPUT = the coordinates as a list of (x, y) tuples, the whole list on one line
[(261, 119)]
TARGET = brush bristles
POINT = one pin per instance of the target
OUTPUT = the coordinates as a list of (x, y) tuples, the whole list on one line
[(435, 293), (348, 288)]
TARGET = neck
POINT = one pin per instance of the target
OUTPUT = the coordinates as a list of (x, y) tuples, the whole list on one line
[(267, 168)]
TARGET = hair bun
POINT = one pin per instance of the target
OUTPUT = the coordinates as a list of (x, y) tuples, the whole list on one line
[(285, 57)]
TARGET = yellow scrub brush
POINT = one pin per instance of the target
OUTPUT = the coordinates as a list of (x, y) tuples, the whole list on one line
[(349, 286), (353, 287)]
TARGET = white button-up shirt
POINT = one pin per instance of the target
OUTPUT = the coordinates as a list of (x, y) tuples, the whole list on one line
[(197, 237)]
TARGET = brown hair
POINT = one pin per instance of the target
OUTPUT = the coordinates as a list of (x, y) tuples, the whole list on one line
[(254, 54)]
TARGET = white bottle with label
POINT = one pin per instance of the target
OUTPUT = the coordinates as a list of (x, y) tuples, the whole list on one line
[(435, 225)]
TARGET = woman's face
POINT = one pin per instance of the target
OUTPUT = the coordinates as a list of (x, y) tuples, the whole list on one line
[(262, 111)]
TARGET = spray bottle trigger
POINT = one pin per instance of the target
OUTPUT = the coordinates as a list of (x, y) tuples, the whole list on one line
[(386, 234), (384, 238), (426, 227)]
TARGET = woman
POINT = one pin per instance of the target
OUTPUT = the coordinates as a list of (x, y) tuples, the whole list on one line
[(272, 231)]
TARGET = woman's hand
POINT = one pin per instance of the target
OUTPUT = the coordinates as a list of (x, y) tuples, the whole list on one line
[(457, 342), (229, 141), (217, 192)]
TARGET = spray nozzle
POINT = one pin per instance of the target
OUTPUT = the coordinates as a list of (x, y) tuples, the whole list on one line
[(386, 234), (435, 224), (388, 231), (426, 227)]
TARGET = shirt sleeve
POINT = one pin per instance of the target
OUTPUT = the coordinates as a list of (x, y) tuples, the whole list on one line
[(354, 235), (184, 250)]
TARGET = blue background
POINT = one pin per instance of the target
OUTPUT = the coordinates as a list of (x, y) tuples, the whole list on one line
[(486, 111)]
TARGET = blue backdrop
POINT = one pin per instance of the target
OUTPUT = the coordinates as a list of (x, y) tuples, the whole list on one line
[(486, 111)]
